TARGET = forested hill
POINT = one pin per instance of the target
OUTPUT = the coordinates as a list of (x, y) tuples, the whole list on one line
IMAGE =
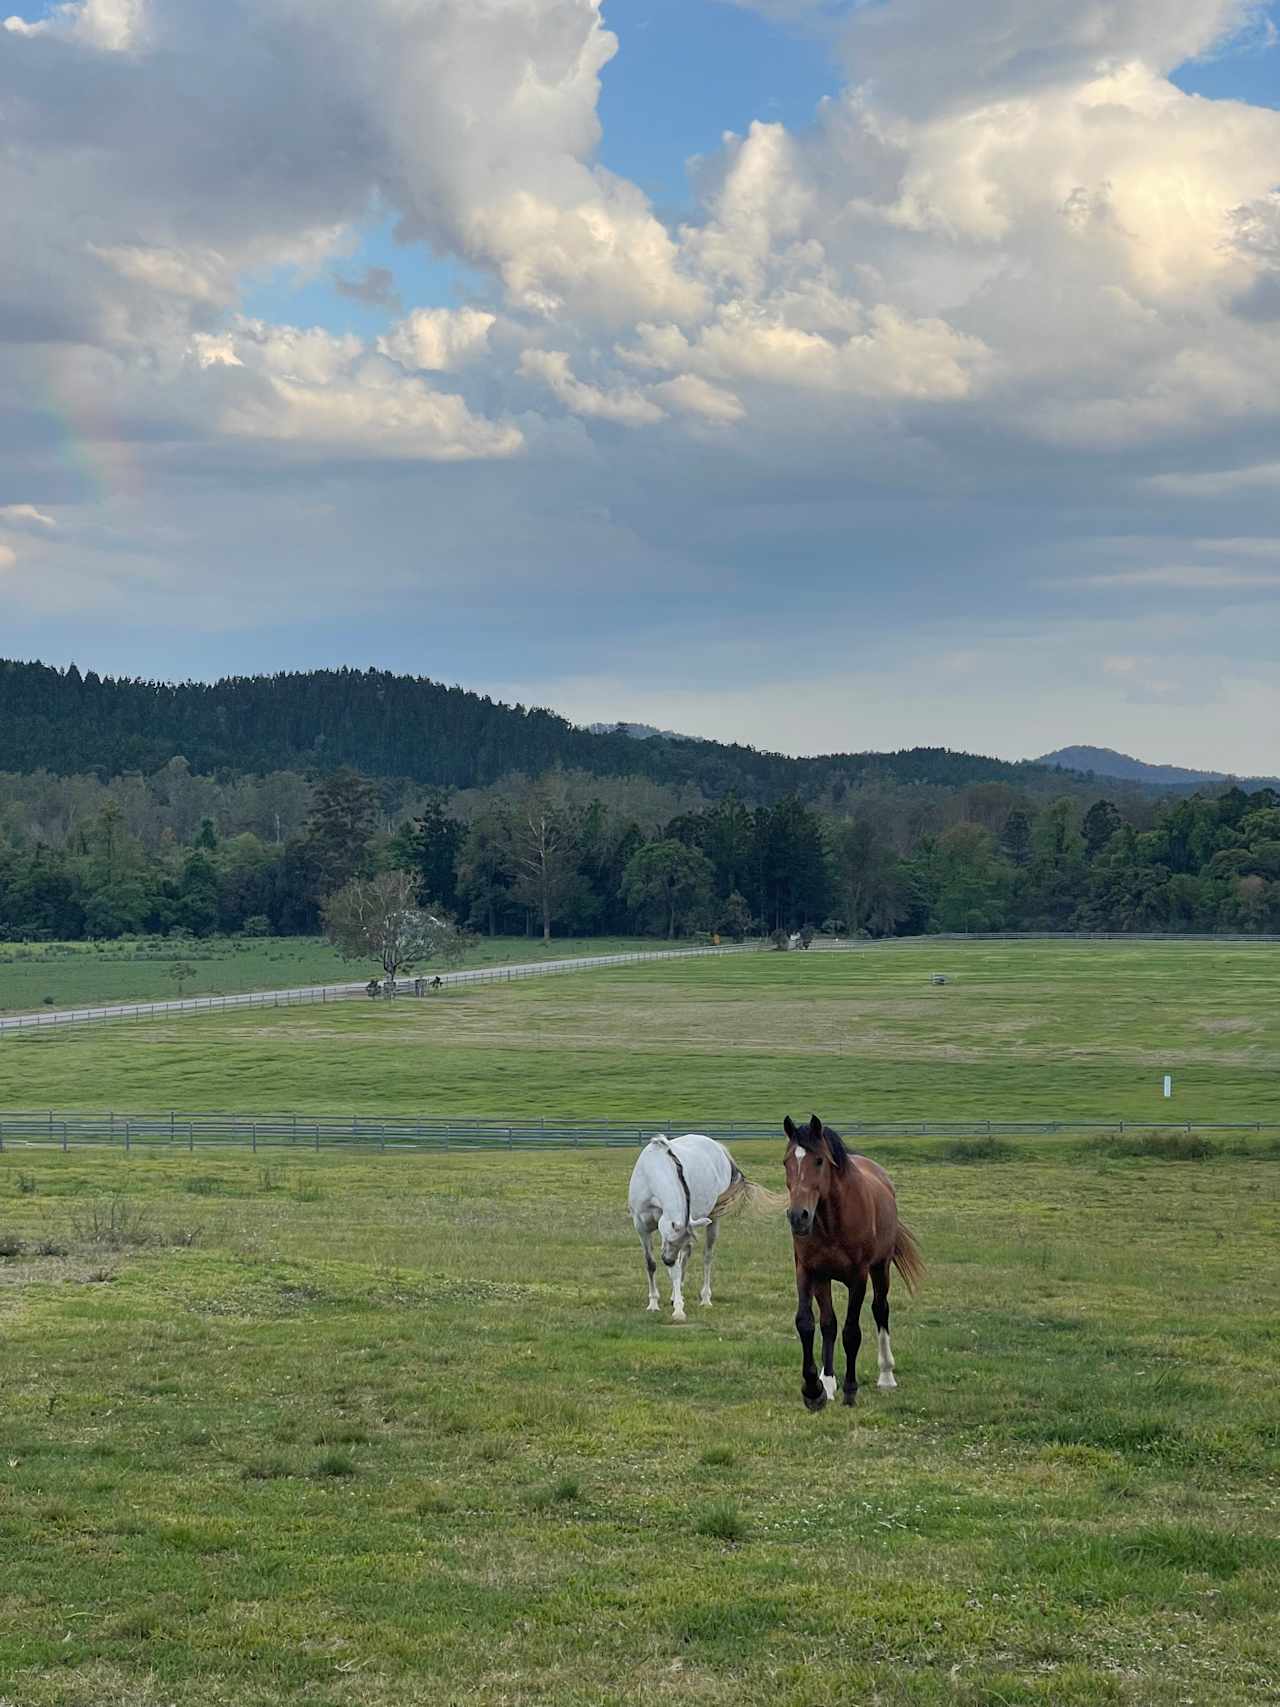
[(1105, 761), (402, 726)]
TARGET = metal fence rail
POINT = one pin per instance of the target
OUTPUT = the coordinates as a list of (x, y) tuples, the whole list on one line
[(52, 1129), (16, 1024)]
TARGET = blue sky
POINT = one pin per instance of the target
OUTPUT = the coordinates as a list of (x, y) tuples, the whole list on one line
[(686, 71), (950, 365)]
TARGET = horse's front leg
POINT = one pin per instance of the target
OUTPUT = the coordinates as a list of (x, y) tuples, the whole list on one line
[(713, 1232), (827, 1316), (812, 1390), (650, 1267), (677, 1286), (853, 1336)]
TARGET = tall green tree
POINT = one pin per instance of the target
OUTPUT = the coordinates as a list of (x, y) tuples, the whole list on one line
[(430, 847), (871, 890), (339, 833), (791, 875), (1101, 822), (672, 877), (485, 870), (1015, 839)]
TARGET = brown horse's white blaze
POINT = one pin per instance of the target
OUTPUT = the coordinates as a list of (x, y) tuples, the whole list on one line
[(844, 1221)]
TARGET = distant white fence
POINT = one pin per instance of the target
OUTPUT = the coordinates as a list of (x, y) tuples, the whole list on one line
[(17, 1024)]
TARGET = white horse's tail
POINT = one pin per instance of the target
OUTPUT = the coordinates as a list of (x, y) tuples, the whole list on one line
[(742, 1194)]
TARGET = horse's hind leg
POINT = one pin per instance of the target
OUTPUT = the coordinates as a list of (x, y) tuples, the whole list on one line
[(827, 1317), (650, 1267), (853, 1337), (880, 1311), (708, 1251)]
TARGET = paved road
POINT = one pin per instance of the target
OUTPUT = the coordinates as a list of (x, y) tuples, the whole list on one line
[(310, 993)]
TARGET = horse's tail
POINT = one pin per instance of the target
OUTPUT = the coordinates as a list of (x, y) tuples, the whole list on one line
[(743, 1194), (907, 1257)]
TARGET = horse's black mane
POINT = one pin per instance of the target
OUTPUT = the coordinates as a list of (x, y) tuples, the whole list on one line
[(835, 1144)]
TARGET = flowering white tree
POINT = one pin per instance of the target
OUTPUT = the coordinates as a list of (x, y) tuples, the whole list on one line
[(378, 918)]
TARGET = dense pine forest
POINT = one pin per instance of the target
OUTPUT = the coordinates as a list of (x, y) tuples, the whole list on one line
[(397, 726), (129, 807)]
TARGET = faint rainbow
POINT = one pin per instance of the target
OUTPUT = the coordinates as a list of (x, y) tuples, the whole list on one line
[(92, 444)]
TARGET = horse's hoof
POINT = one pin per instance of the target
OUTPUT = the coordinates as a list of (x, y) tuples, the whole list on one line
[(815, 1401), (886, 1382), (654, 1307), (678, 1316), (851, 1398), (828, 1385)]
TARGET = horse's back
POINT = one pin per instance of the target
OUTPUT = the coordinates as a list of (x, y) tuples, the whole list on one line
[(706, 1167), (884, 1205), (865, 1165)]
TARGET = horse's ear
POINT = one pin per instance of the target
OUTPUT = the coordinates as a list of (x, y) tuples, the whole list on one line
[(815, 1128), (789, 1127)]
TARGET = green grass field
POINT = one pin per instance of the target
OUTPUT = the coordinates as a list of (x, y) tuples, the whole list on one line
[(368, 1432), (343, 1431), (84, 974), (1022, 1031)]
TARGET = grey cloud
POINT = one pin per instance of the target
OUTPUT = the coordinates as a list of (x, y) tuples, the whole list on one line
[(1262, 299), (921, 55), (377, 288)]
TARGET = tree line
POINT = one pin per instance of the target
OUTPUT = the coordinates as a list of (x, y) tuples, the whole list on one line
[(571, 853), (387, 725)]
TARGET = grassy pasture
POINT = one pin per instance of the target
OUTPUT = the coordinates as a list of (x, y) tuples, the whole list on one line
[(359, 1431), (1022, 1030), (84, 974), (369, 1432)]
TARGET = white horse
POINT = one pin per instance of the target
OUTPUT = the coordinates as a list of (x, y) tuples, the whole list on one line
[(679, 1185)]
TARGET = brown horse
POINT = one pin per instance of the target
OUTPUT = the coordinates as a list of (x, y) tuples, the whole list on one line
[(845, 1227)]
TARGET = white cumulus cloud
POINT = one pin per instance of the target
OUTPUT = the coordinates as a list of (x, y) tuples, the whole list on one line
[(24, 515), (437, 339), (626, 406)]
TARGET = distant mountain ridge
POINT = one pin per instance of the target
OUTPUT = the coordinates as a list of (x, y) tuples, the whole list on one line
[(1105, 761), (638, 731)]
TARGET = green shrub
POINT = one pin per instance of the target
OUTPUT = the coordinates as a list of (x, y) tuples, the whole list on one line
[(1164, 1146), (722, 1521), (336, 1464), (979, 1150)]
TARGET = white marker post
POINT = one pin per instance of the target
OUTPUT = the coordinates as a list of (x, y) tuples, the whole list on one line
[(1168, 1084)]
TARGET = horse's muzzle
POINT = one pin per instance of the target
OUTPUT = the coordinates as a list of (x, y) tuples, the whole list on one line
[(801, 1222)]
